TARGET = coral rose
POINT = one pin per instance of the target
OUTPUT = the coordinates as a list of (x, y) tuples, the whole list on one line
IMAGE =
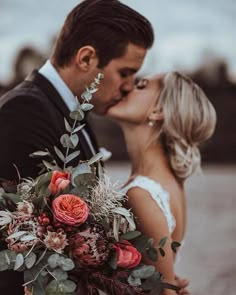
[(127, 255), (59, 181), (70, 209)]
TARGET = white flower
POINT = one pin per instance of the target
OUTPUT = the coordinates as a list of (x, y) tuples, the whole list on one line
[(25, 208), (6, 217)]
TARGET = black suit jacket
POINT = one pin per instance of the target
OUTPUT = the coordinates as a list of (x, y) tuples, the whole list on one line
[(31, 119)]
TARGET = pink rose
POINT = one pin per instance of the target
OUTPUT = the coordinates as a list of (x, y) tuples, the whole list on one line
[(70, 209), (127, 255), (59, 181)]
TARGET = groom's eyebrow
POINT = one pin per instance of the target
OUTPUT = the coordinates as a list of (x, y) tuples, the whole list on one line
[(128, 71)]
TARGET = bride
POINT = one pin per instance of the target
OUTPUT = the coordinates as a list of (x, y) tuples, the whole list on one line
[(164, 119)]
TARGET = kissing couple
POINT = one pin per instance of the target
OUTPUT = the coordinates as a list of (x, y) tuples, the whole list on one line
[(164, 118)]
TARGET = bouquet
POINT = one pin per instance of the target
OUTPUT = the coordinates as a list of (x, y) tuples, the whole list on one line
[(68, 230)]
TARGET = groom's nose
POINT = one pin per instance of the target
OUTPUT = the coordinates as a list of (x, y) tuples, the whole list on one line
[(128, 84)]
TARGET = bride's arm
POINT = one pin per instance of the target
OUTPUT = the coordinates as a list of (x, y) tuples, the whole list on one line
[(152, 222)]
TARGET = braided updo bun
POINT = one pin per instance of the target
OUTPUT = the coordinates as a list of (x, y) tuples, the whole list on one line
[(189, 119)]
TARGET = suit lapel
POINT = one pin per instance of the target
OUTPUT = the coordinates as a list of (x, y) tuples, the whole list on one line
[(59, 103)]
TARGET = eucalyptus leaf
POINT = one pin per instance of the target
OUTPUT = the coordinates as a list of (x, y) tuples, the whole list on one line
[(17, 234), (72, 156), (50, 166), (67, 125), (74, 140), (19, 261), (4, 262), (113, 261), (152, 282), (95, 158), (60, 154), (77, 115), (68, 286), (143, 272), (65, 264), (53, 260), (59, 274), (141, 243), (162, 252), (162, 242), (152, 254), (65, 141), (30, 260), (78, 128), (134, 281), (27, 238), (175, 245), (39, 154), (86, 107)]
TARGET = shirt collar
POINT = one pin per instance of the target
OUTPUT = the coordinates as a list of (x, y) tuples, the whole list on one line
[(50, 73)]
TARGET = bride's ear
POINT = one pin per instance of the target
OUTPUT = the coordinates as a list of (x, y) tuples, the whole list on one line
[(156, 115), (86, 58)]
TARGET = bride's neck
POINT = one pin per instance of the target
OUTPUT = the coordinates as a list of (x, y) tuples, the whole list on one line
[(145, 158)]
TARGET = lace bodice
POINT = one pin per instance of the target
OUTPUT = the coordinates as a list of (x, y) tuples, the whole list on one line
[(156, 191)]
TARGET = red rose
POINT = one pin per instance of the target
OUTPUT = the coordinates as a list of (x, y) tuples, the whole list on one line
[(59, 181), (127, 255), (70, 209)]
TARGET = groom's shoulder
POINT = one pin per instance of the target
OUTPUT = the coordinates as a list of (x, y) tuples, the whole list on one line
[(25, 92)]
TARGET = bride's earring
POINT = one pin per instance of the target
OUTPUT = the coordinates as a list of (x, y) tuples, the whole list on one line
[(151, 123)]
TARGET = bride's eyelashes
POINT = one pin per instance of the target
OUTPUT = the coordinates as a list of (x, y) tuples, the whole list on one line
[(142, 84)]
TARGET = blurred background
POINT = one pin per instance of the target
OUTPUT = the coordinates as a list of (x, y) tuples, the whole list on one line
[(193, 36)]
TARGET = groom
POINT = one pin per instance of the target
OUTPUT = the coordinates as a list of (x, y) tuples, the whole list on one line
[(98, 36)]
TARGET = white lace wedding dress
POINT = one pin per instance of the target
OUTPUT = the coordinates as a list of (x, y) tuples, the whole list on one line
[(159, 195)]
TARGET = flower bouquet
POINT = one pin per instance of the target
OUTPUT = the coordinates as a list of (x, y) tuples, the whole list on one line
[(69, 231)]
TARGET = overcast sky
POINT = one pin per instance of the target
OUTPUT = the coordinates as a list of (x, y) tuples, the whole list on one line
[(184, 30)]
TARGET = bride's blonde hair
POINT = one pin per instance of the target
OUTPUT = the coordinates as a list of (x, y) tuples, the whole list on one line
[(189, 119)]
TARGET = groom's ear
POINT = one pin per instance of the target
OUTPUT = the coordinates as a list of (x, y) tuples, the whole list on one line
[(86, 58)]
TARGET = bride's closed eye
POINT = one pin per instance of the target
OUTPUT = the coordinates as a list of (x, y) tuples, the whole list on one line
[(142, 84)]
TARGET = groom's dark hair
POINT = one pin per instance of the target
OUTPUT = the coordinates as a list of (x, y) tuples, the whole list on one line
[(107, 25)]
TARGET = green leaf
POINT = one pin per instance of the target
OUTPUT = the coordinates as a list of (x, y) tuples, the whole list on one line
[(77, 115), (19, 261), (152, 282), (30, 260), (152, 254), (86, 107), (113, 261), (162, 242), (175, 245), (65, 264), (162, 252), (130, 235), (72, 156), (60, 154), (67, 125), (50, 166), (143, 272), (65, 141), (39, 154), (95, 158), (59, 274), (68, 286), (141, 243), (4, 262), (78, 128), (134, 281), (53, 260), (74, 140)]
